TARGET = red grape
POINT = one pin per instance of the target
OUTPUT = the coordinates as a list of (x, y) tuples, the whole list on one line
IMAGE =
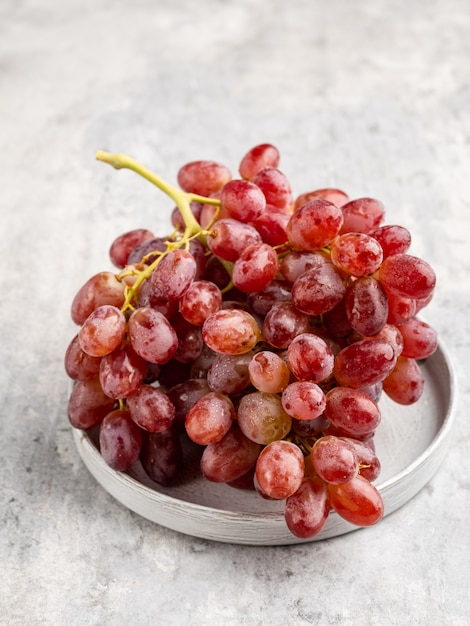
[(120, 440), (307, 509)]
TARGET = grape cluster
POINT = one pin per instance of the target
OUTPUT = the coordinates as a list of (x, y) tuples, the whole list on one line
[(262, 330)]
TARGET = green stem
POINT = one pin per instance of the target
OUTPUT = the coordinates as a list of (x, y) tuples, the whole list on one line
[(181, 198)]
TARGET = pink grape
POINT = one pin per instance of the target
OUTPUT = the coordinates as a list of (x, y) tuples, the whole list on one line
[(262, 418), (314, 225), (174, 274), (366, 306), (151, 409), (318, 290), (283, 323), (356, 254), (255, 268), (103, 331), (152, 336), (334, 460), (88, 404), (408, 276), (369, 464), (303, 400), (280, 469), (268, 372), (419, 339), (229, 373), (231, 331), (230, 237), (299, 261), (123, 245), (122, 372), (352, 411), (147, 251), (189, 340), (243, 200), (271, 225), (257, 158), (102, 288), (210, 418), (200, 300), (306, 511), (393, 239), (362, 215), (183, 396), (78, 364), (405, 384), (364, 363), (357, 501), (203, 177), (276, 291), (310, 358), (336, 196), (275, 187), (230, 458), (120, 440), (400, 308)]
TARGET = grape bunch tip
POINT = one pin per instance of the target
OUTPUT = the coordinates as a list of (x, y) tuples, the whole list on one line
[(262, 331)]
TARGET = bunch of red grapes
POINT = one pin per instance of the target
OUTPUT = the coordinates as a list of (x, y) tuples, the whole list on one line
[(262, 332)]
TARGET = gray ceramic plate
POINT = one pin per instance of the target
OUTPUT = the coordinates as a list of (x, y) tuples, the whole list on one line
[(411, 443)]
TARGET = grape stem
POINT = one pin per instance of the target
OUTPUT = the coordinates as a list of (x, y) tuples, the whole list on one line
[(181, 198)]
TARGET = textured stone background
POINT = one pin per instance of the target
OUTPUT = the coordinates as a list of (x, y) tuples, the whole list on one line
[(373, 97)]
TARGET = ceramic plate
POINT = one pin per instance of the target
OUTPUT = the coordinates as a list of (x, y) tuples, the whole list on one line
[(411, 443)]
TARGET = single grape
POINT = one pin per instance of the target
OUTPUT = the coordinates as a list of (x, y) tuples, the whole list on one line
[(151, 409), (336, 321), (243, 200), (268, 372), (364, 363), (103, 331), (297, 262), (203, 177), (262, 418), (405, 384), (200, 300), (229, 373), (255, 268), (123, 245), (122, 372), (152, 336), (262, 301), (314, 225), (174, 274), (275, 187), (408, 276), (231, 331), (120, 440), (310, 358), (336, 196), (88, 404), (230, 458), (419, 339), (356, 254), (334, 460), (303, 400), (400, 309), (78, 364), (283, 323), (147, 251), (230, 237), (393, 239), (366, 306), (257, 158), (362, 215), (280, 469), (161, 456), (392, 334), (318, 290), (147, 296), (210, 418), (307, 509), (102, 288), (216, 273), (177, 220), (352, 411), (357, 501), (271, 225)]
